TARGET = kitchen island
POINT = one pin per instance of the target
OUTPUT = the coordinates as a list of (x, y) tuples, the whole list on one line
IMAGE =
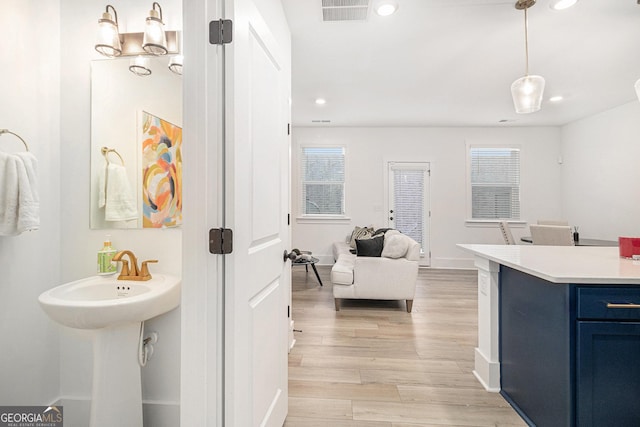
[(559, 333)]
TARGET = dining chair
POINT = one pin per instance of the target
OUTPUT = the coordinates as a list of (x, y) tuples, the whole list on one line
[(506, 233), (552, 222), (551, 235)]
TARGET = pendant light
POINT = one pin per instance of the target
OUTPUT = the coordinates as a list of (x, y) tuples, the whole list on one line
[(108, 40), (527, 91), (154, 41)]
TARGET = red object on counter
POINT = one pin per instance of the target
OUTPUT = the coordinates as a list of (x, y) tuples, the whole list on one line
[(629, 246)]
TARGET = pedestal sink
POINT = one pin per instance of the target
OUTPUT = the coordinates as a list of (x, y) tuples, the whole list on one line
[(113, 309)]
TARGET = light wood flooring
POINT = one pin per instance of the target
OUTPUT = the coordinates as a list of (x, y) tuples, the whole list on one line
[(372, 364)]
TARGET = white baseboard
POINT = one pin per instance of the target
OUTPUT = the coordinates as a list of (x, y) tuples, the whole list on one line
[(487, 372), (76, 412)]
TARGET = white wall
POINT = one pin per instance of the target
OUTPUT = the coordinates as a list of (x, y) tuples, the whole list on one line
[(30, 262), (601, 171), (369, 148), (78, 244)]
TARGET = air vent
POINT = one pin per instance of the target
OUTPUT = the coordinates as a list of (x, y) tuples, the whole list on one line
[(344, 10)]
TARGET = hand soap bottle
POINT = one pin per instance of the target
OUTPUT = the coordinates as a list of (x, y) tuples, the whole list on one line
[(105, 258)]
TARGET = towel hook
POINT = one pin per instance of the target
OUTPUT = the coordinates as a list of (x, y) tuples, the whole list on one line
[(106, 150), (3, 131)]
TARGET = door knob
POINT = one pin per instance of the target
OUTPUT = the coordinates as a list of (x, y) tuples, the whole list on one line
[(291, 255), (391, 211), (391, 218)]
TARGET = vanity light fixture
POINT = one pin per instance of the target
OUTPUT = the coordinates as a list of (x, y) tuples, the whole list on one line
[(154, 41), (527, 91), (108, 40), (386, 7), (562, 4), (139, 65), (175, 64)]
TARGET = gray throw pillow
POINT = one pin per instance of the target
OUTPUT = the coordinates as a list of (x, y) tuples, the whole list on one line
[(371, 247)]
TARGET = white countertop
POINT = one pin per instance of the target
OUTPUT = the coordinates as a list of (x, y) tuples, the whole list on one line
[(564, 264)]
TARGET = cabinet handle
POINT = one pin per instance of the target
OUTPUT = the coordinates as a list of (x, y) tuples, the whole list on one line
[(630, 305)]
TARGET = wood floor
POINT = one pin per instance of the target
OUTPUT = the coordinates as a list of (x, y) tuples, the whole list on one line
[(372, 364)]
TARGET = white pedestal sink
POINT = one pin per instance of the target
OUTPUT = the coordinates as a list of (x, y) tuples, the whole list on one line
[(113, 309)]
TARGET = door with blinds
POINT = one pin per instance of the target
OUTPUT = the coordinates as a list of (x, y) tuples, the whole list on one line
[(408, 202)]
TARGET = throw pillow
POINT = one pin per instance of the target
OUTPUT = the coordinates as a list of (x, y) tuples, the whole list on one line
[(395, 246), (371, 247), (360, 233), (381, 231)]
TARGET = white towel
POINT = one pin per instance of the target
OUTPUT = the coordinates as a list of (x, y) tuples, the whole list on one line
[(19, 203), (115, 194)]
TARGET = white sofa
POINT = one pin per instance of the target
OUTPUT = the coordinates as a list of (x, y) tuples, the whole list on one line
[(358, 277)]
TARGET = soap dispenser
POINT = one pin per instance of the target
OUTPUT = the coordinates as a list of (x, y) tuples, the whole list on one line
[(106, 265)]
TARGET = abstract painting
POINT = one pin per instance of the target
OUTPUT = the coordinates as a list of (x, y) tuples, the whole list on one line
[(161, 172)]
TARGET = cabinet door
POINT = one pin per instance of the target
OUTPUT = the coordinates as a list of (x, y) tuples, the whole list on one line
[(608, 374)]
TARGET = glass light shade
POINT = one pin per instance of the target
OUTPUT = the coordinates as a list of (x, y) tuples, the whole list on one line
[(527, 94), (638, 89), (154, 40), (108, 39), (175, 64), (140, 66), (562, 4)]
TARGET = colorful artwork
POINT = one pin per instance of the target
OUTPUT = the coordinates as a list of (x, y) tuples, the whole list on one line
[(161, 173)]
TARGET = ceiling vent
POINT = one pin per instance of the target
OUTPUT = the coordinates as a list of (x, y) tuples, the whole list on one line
[(344, 10)]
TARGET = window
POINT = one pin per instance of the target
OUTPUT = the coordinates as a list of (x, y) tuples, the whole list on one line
[(495, 183), (322, 173)]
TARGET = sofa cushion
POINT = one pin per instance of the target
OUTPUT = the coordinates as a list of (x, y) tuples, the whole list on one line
[(395, 246), (342, 271), (360, 233), (382, 231), (371, 247)]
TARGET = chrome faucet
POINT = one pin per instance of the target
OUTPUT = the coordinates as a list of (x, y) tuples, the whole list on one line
[(132, 273)]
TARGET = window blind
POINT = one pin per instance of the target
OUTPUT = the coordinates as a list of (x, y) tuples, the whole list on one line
[(495, 183), (408, 202), (322, 172)]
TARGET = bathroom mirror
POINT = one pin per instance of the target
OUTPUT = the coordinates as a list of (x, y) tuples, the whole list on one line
[(136, 140)]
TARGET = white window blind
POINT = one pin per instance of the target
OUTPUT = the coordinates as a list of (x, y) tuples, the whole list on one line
[(322, 172), (408, 202), (495, 183)]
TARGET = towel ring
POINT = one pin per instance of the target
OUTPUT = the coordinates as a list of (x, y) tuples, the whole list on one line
[(3, 131), (106, 150)]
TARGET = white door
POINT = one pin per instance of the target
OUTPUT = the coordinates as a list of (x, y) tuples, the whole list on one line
[(257, 279), (408, 202)]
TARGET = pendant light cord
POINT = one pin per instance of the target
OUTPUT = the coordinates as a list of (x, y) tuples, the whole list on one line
[(526, 41)]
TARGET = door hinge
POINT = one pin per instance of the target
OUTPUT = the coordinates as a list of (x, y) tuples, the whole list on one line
[(288, 128), (220, 31), (288, 311), (288, 219), (220, 241)]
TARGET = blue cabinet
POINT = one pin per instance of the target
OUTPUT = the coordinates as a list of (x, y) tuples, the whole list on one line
[(608, 357), (570, 354)]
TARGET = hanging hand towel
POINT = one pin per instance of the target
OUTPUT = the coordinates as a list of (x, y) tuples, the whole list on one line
[(120, 203), (9, 193), (29, 201), (19, 203)]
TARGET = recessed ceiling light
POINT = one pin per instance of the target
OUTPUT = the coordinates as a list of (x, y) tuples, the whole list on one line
[(562, 4), (386, 8), (556, 98), (321, 101)]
